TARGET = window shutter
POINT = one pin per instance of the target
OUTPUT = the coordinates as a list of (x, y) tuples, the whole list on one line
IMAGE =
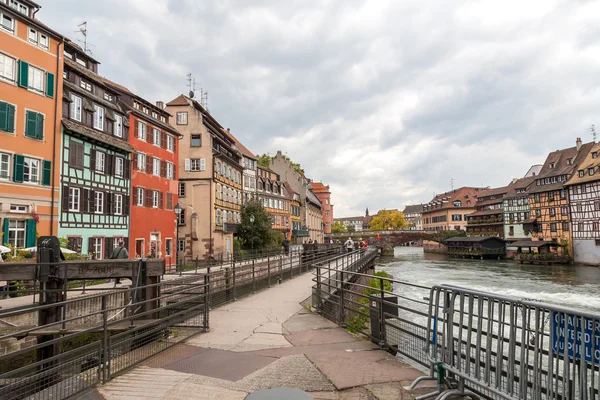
[(149, 165), (3, 116), (49, 84), (72, 155), (135, 161), (92, 202), (163, 141), (135, 195), (46, 173), (31, 120), (110, 164), (163, 168), (5, 230), (23, 74), (202, 164), (160, 200), (108, 247), (30, 233), (80, 155), (126, 242), (126, 168), (93, 159), (126, 200), (91, 246), (150, 134), (108, 203), (65, 198), (85, 201), (148, 198), (169, 201), (18, 170), (137, 128), (10, 118), (39, 131), (188, 164)]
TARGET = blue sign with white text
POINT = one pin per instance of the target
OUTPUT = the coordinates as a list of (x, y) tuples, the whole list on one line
[(567, 331)]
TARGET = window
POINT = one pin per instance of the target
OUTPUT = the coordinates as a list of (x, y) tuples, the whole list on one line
[(563, 194), (44, 42), (136, 106), (108, 96), (16, 232), (591, 171), (564, 210), (595, 226), (182, 118), (74, 199), (156, 166), (141, 162), (182, 217), (118, 126), (7, 68), (34, 125), (581, 173), (7, 22), (155, 199), (140, 197), (580, 227), (595, 154), (196, 141), (85, 85), (538, 213), (118, 204), (198, 164), (17, 208), (552, 165), (579, 207), (550, 195), (565, 226), (170, 143), (98, 118), (100, 158), (76, 107), (569, 161), (156, 137), (142, 131), (168, 245), (97, 248), (145, 109), (31, 170), (35, 79), (552, 227), (119, 166), (181, 189), (4, 166), (552, 212), (219, 167), (170, 171), (33, 36), (536, 198), (99, 203), (68, 55)]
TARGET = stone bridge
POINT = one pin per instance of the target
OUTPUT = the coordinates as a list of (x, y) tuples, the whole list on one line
[(387, 240)]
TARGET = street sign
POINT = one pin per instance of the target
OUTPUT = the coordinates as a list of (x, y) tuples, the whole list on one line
[(580, 336)]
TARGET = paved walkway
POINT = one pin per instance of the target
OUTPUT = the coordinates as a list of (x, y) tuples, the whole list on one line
[(268, 340)]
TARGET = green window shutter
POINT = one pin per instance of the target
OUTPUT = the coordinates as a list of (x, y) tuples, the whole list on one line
[(39, 129), (31, 121), (18, 170), (46, 173), (23, 74), (5, 231), (49, 84), (30, 233), (3, 116), (10, 122)]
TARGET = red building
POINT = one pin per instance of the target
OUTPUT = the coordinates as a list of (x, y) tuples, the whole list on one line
[(324, 195), (152, 229)]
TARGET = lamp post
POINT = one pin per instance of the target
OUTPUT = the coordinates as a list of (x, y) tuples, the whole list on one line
[(177, 210), (252, 237)]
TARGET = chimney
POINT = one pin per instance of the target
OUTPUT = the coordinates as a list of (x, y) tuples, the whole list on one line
[(160, 105), (228, 130), (578, 143)]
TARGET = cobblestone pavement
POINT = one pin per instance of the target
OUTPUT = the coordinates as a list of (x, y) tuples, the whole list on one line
[(269, 340)]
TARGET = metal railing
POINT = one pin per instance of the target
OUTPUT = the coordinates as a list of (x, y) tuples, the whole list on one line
[(497, 347)]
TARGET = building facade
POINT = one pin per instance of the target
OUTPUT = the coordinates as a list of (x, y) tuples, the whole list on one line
[(210, 182), (324, 195), (548, 198), (250, 165), (488, 217), (449, 211), (96, 160), (584, 205), (314, 217), (273, 196), (31, 73), (414, 216), (153, 178)]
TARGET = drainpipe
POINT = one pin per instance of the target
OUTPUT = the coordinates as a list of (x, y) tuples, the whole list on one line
[(56, 132)]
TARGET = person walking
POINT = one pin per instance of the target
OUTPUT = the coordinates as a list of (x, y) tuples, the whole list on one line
[(286, 246), (349, 245), (119, 253)]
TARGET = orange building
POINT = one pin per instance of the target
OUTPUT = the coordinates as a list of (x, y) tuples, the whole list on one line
[(324, 195), (31, 71), (153, 225)]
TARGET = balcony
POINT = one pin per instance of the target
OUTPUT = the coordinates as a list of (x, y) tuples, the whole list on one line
[(300, 232), (485, 221), (230, 228)]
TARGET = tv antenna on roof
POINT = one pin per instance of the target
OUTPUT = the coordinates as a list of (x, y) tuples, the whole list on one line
[(191, 84), (452, 183), (204, 99), (592, 129), (83, 30)]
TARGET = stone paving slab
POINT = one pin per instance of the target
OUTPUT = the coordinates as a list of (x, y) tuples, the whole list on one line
[(320, 336)]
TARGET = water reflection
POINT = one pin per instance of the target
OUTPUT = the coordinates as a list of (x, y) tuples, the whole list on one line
[(577, 286)]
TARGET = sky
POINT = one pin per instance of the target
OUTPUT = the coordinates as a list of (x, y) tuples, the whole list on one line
[(386, 101)]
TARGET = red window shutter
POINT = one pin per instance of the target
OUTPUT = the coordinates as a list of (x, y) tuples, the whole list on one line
[(137, 133), (149, 198), (163, 142), (65, 198), (160, 200), (150, 134), (135, 195), (135, 161), (163, 168), (149, 165)]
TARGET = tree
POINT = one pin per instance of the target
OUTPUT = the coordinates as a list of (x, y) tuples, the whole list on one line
[(338, 227), (351, 228), (258, 234), (385, 220), (265, 160)]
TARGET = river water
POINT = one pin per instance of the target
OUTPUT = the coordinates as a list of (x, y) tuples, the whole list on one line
[(571, 286)]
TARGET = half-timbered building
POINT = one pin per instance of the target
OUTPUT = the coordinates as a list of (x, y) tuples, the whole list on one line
[(95, 160), (584, 204), (272, 195), (548, 197), (518, 224), (488, 217)]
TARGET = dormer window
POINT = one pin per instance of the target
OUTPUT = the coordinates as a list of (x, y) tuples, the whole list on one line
[(68, 55), (85, 85), (591, 171), (154, 115), (145, 109), (457, 203), (569, 161), (108, 97), (595, 154), (552, 165), (163, 119), (136, 106), (81, 62), (581, 173), (23, 9)]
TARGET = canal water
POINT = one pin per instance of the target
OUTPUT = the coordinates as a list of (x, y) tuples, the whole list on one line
[(571, 286)]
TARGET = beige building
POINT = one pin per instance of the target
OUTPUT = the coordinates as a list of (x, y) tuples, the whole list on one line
[(210, 182), (448, 211), (314, 217)]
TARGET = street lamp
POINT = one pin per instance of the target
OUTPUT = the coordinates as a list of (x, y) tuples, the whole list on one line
[(177, 210), (252, 237)]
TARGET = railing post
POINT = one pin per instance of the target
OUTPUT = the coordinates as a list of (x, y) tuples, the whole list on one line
[(253, 279), (342, 316), (382, 338), (206, 301), (234, 289), (291, 269), (268, 271), (104, 361), (318, 302), (280, 270), (196, 263)]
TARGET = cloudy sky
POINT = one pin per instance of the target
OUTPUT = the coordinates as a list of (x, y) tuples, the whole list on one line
[(386, 101)]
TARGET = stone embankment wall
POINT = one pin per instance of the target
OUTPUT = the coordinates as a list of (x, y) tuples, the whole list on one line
[(434, 247)]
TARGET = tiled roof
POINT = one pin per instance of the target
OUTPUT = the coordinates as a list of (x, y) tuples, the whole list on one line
[(91, 75), (457, 194), (486, 212), (559, 160), (588, 162), (97, 99), (533, 243), (155, 121), (319, 187), (312, 198), (363, 219), (413, 209), (523, 183), (239, 144), (472, 239), (93, 134)]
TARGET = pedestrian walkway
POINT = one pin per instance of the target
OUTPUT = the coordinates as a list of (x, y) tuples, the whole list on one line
[(268, 340)]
